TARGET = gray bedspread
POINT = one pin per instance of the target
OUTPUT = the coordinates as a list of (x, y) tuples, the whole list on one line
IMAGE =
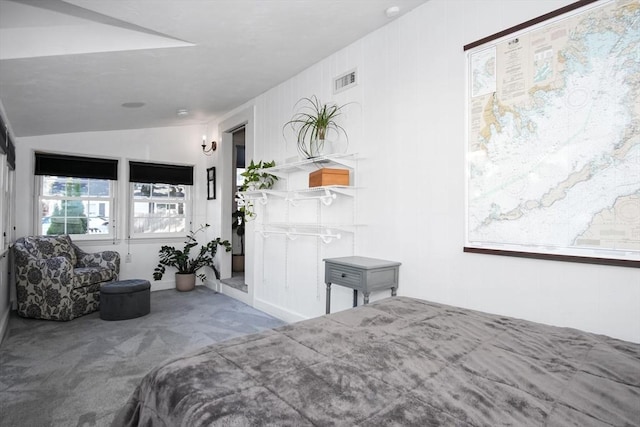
[(399, 361)]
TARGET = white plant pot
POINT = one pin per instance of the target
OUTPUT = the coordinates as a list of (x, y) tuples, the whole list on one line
[(320, 147)]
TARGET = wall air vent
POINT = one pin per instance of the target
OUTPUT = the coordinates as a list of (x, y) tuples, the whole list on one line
[(345, 81)]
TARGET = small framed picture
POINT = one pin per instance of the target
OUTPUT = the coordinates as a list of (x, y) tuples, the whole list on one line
[(211, 183)]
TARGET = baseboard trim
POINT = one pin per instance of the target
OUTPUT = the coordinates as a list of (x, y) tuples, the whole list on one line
[(4, 323), (165, 285), (277, 311), (236, 294), (214, 285), (162, 285)]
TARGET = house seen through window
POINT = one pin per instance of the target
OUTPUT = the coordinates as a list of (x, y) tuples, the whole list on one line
[(159, 208), (160, 202)]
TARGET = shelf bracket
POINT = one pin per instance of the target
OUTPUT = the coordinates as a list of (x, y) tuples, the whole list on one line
[(328, 197), (263, 199), (293, 200)]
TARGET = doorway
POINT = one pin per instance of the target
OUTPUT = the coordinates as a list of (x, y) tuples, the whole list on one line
[(235, 285), (237, 218)]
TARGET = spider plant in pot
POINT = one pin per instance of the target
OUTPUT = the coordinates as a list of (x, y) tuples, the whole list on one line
[(312, 124), (186, 265)]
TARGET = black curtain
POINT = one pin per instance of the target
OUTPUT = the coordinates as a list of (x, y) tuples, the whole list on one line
[(151, 173), (76, 166), (6, 144), (4, 137)]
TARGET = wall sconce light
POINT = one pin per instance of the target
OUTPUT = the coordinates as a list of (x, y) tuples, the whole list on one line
[(210, 150)]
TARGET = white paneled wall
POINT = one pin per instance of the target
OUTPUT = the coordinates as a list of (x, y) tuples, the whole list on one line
[(407, 125)]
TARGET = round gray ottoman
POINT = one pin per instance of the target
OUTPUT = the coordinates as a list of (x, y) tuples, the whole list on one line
[(126, 299)]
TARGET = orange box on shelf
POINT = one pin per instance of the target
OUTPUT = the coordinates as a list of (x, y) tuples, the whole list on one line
[(328, 176)]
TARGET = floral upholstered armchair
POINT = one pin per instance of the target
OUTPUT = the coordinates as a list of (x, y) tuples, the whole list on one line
[(56, 280)]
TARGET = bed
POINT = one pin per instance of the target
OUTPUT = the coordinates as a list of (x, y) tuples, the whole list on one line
[(399, 361)]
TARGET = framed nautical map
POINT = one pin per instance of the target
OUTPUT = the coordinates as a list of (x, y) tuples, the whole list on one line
[(553, 137)]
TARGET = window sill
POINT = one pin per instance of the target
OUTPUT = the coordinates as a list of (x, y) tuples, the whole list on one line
[(155, 239)]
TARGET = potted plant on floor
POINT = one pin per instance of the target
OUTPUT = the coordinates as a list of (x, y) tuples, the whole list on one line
[(312, 124), (188, 267)]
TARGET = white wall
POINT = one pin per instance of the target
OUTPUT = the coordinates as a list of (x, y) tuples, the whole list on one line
[(408, 128), (179, 145)]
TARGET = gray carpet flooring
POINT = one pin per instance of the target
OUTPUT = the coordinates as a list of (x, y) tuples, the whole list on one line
[(79, 373)]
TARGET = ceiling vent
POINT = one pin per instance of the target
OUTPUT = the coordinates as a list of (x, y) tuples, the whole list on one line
[(345, 81)]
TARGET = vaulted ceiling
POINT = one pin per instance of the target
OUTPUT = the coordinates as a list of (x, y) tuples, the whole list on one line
[(88, 65)]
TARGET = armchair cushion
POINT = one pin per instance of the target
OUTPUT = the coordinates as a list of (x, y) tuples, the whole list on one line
[(50, 247), (85, 276), (57, 280)]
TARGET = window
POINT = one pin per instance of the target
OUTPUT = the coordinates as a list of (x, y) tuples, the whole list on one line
[(77, 206), (7, 189), (160, 199), (76, 196), (159, 208)]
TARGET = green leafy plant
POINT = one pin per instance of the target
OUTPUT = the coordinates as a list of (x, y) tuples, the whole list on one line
[(255, 178), (238, 225), (312, 123), (182, 261)]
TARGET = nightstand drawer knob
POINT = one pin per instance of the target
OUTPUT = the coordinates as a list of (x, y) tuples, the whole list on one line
[(343, 275)]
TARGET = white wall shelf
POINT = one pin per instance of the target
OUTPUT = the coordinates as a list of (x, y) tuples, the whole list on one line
[(294, 196), (331, 160), (326, 194), (326, 233)]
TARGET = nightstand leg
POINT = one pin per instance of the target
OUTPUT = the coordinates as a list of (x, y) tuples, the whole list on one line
[(366, 297), (393, 292), (328, 298), (355, 297)]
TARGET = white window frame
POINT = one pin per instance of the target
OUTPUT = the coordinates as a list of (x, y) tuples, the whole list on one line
[(112, 199), (10, 210), (188, 209)]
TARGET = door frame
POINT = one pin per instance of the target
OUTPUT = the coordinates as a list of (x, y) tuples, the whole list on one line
[(246, 118)]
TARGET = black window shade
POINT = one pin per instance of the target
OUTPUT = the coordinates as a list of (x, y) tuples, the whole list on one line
[(151, 173), (4, 137), (11, 155), (6, 144), (76, 167)]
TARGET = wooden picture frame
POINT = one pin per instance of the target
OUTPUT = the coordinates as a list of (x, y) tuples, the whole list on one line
[(211, 183)]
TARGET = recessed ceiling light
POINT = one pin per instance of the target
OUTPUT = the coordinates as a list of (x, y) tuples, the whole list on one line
[(182, 112), (392, 11), (133, 104)]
